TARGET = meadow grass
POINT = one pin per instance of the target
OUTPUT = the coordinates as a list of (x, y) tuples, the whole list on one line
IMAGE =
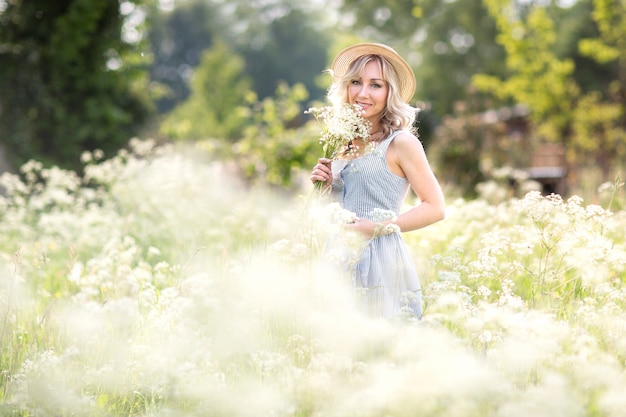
[(156, 285)]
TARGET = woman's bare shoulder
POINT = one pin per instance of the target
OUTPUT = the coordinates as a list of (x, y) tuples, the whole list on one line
[(405, 141)]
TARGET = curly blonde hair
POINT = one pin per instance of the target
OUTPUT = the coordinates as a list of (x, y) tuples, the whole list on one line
[(398, 114)]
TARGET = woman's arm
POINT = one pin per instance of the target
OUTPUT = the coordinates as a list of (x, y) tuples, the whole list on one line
[(406, 158)]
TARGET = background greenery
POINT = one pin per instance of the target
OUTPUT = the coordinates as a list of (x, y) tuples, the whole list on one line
[(82, 75)]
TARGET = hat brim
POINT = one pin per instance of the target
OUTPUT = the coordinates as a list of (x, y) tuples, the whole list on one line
[(406, 76)]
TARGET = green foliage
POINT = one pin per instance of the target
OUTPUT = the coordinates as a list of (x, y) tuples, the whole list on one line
[(595, 125), (281, 42), (178, 39), (217, 105), (572, 24), (560, 109), (261, 138), (538, 78), (610, 18), (273, 148), (398, 19), (600, 117), (293, 51), (70, 82), (598, 50)]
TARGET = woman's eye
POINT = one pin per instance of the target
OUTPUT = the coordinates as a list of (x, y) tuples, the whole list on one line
[(375, 85), (355, 82)]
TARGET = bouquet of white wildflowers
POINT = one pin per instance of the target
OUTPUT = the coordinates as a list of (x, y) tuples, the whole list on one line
[(341, 125)]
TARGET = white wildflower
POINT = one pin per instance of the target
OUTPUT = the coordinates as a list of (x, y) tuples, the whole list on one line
[(341, 125), (485, 337), (483, 291)]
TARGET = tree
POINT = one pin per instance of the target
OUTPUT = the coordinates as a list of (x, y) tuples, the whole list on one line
[(571, 26), (591, 123), (245, 95), (600, 117), (272, 149), (70, 82), (538, 78), (294, 52), (219, 100), (178, 38), (278, 41)]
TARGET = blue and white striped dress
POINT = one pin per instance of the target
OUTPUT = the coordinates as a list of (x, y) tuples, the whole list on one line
[(385, 270)]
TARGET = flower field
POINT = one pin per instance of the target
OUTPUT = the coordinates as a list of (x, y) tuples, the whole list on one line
[(155, 285)]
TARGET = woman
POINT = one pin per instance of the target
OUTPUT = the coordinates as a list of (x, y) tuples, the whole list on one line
[(374, 183)]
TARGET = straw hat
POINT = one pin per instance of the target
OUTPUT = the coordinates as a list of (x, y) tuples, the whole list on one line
[(405, 73)]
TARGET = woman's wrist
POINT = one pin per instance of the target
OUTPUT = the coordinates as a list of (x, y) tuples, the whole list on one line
[(386, 228)]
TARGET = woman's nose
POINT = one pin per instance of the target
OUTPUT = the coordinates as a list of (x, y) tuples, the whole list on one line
[(362, 91)]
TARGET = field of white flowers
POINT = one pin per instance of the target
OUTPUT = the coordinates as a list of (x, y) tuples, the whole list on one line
[(155, 285)]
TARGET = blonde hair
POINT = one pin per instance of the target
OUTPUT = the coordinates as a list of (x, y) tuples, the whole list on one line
[(398, 114)]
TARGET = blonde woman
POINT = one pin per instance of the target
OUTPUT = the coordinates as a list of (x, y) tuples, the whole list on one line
[(373, 184)]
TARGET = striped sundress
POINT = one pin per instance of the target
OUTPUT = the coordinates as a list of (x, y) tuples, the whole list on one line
[(385, 272)]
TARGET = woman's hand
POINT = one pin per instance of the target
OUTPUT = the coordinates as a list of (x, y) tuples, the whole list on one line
[(363, 227), (369, 229), (322, 172)]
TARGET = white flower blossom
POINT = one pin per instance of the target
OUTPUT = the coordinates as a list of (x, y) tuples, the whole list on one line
[(341, 125)]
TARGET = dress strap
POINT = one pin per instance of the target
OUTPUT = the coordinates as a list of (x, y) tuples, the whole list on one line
[(382, 147)]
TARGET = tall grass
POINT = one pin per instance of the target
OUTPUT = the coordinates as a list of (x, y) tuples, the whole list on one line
[(155, 285)]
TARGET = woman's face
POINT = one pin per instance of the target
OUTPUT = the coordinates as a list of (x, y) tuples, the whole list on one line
[(370, 92)]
